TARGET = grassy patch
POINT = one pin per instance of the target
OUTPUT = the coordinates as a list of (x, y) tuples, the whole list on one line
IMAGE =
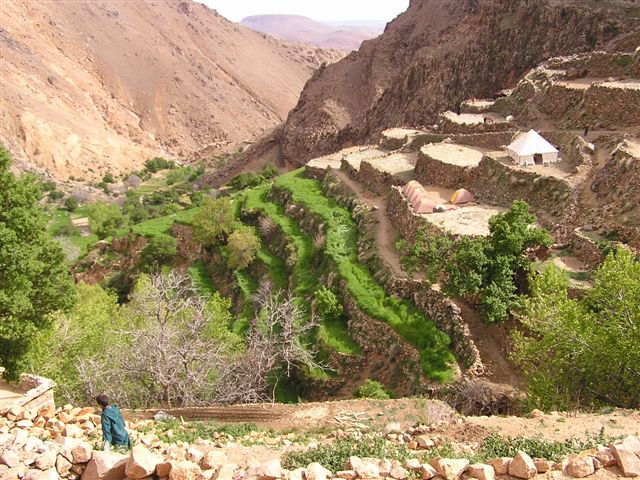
[(341, 246), (171, 431), (334, 334), (249, 286), (162, 225), (277, 268), (335, 455), (201, 279)]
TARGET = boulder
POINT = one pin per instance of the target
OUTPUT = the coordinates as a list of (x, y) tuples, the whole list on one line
[(213, 459), (195, 454), (450, 469), (46, 460), (633, 443), (163, 469), (604, 455), (579, 466), (269, 470), (346, 474), (626, 459), (142, 462), (427, 472), (73, 431), (106, 466), (315, 471), (10, 458), (542, 465), (413, 464), (82, 452), (501, 465), (424, 442), (522, 466), (49, 474), (393, 427), (297, 474), (482, 471), (185, 471)]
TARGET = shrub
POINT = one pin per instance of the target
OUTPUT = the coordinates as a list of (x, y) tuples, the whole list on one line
[(197, 198), (329, 307), (171, 209), (48, 185), (158, 163), (108, 178), (246, 180), (214, 222), (105, 219), (71, 203), (335, 455), (269, 171), (65, 230), (373, 390), (55, 195)]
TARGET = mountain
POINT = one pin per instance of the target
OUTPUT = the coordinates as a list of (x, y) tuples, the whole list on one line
[(439, 53), (96, 87), (296, 28)]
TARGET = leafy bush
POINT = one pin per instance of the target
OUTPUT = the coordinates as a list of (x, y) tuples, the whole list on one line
[(585, 351), (158, 163), (71, 203), (65, 230), (335, 455), (246, 180), (108, 178), (192, 431), (269, 171), (373, 390), (197, 198), (242, 247), (48, 185)]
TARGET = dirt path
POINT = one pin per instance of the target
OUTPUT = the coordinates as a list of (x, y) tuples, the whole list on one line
[(386, 234)]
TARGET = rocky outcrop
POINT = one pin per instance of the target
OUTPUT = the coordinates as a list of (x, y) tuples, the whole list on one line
[(437, 54)]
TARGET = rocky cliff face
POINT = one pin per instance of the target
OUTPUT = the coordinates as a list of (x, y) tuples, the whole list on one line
[(95, 87), (439, 53)]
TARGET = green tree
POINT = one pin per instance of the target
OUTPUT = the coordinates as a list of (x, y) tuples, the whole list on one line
[(105, 219), (242, 246), (160, 250), (583, 352), (214, 222), (87, 333), (34, 281), (329, 307), (372, 389), (158, 163)]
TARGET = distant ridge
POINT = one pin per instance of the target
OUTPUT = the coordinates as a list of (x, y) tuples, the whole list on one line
[(340, 35)]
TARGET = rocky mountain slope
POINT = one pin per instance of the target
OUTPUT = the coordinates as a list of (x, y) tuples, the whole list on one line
[(440, 52), (297, 28), (96, 87)]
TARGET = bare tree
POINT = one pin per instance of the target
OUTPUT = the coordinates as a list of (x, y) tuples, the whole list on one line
[(167, 352), (275, 341)]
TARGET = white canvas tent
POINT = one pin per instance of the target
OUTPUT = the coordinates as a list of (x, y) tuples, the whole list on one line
[(530, 149)]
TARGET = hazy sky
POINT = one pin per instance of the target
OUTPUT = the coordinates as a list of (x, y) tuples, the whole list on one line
[(331, 10)]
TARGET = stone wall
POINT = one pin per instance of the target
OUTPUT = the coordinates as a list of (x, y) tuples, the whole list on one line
[(430, 171), (611, 107), (492, 140), (38, 393), (558, 100), (586, 249), (402, 216), (598, 64), (450, 127)]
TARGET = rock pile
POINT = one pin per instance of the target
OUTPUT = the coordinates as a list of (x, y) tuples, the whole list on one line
[(55, 444)]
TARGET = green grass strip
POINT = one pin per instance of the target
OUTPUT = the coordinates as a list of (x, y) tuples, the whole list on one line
[(341, 246), (277, 268), (201, 280)]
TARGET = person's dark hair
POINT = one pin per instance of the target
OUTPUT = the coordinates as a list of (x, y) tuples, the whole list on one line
[(102, 400)]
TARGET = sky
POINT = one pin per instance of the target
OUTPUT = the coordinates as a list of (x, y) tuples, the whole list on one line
[(322, 10)]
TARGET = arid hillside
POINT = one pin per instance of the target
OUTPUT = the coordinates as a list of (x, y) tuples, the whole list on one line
[(96, 87), (297, 28), (440, 52)]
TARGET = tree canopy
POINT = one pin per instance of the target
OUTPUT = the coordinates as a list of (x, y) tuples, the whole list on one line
[(34, 280)]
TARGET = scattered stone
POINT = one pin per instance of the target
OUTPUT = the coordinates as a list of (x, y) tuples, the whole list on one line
[(535, 413), (425, 442), (393, 427), (184, 471), (63, 466), (227, 472), (605, 456), (73, 431), (501, 465), (627, 460), (482, 471), (346, 474), (633, 443), (522, 466), (450, 469), (315, 471), (363, 469), (413, 464), (142, 462), (163, 469), (195, 455)]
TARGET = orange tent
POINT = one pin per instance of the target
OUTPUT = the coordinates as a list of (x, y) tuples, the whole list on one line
[(462, 196)]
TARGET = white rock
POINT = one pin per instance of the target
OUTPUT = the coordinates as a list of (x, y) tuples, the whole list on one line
[(627, 460), (450, 469), (213, 459), (270, 470), (481, 471), (106, 466), (522, 466), (185, 471), (46, 460), (195, 454), (142, 462), (501, 465), (10, 458), (315, 471)]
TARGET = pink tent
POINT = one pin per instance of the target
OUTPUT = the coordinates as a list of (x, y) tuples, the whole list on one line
[(409, 187), (462, 196), (423, 205), (415, 193)]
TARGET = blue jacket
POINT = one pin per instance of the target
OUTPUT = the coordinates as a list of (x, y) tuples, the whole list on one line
[(113, 428)]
